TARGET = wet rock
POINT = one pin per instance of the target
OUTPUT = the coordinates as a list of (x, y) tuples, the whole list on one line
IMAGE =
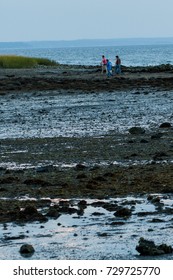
[(80, 166), (30, 214), (97, 214), (102, 234), (27, 250), (155, 220), (148, 248), (165, 125), (21, 236), (111, 207), (136, 130), (144, 141), (64, 203), (123, 212), (82, 204), (98, 204), (117, 223), (53, 213)]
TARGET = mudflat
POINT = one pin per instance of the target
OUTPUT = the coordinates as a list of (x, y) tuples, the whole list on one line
[(111, 165)]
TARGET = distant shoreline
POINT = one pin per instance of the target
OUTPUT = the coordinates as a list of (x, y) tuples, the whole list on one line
[(87, 42), (84, 78)]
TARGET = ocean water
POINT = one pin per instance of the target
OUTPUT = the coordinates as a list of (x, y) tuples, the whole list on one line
[(131, 55)]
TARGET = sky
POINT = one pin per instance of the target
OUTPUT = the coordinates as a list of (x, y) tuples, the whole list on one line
[(52, 20)]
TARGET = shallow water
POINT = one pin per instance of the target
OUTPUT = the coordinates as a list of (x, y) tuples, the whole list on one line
[(92, 235), (61, 113), (131, 55)]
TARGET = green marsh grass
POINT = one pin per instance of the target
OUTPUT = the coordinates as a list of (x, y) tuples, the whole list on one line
[(14, 61)]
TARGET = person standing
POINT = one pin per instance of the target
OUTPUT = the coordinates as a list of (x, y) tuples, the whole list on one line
[(104, 64), (117, 65), (109, 68)]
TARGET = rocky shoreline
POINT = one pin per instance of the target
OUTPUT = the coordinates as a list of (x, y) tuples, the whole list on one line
[(48, 178), (85, 78), (142, 165), (138, 162)]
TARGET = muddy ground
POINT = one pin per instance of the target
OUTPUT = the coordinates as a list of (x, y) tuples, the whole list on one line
[(85, 78), (91, 167)]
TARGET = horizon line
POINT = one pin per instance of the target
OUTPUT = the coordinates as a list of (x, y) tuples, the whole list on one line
[(88, 39)]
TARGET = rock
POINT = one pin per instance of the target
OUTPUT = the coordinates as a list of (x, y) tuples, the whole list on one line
[(80, 166), (53, 213), (165, 125), (30, 214), (148, 248), (30, 210), (82, 204), (136, 130), (123, 212), (27, 250), (97, 214), (144, 141)]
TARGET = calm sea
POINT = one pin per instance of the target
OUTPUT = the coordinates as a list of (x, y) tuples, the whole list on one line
[(137, 55)]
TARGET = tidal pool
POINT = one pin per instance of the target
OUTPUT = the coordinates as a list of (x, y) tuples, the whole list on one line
[(97, 234)]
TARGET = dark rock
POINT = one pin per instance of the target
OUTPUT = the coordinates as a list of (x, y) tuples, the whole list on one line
[(155, 220), (53, 213), (82, 204), (22, 236), (80, 166), (97, 214), (144, 141), (111, 207), (123, 212), (104, 234), (136, 130), (117, 223), (30, 214), (27, 250), (148, 248), (165, 125), (30, 210)]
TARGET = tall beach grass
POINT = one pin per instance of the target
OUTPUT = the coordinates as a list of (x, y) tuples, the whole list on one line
[(14, 61)]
